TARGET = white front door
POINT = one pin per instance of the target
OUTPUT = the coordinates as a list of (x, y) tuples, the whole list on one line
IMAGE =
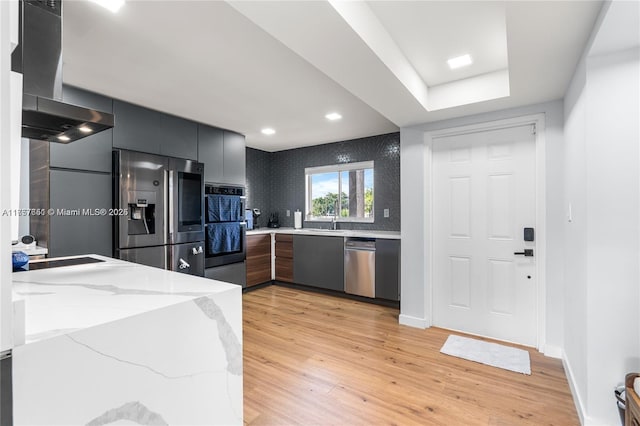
[(483, 198)]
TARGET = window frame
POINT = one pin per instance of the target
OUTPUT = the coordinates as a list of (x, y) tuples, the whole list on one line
[(337, 168)]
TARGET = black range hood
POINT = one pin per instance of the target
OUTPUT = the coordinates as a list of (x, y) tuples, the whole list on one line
[(55, 121), (39, 58)]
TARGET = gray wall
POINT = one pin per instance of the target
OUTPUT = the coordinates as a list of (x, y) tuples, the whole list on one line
[(281, 175)]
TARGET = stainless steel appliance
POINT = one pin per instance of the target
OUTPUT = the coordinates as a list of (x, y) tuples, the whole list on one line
[(225, 233), (360, 267), (38, 57), (159, 208)]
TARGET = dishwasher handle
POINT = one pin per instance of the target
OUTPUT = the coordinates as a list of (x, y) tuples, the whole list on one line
[(360, 245)]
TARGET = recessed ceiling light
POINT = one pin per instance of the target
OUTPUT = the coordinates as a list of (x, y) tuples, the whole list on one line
[(111, 5), (460, 61), (64, 138), (333, 116), (268, 131), (85, 129)]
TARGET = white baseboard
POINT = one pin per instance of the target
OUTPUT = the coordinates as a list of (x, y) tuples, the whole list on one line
[(553, 351), (584, 419), (412, 321)]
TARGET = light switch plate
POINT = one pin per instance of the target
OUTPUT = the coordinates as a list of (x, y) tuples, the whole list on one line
[(288, 213), (386, 212)]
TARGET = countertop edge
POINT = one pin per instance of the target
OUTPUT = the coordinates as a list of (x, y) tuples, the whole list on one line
[(389, 235)]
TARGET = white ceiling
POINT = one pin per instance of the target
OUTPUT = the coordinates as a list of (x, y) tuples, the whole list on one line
[(429, 33), (381, 64)]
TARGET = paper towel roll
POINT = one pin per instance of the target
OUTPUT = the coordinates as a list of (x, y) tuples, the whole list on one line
[(297, 219)]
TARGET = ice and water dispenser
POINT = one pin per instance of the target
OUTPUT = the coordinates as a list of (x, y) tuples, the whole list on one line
[(142, 213)]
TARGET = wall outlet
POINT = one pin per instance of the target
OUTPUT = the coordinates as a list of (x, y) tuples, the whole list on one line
[(386, 212), (288, 213)]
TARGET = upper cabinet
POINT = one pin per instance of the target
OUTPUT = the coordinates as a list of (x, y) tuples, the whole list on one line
[(141, 129), (235, 151), (211, 152), (223, 154), (92, 153)]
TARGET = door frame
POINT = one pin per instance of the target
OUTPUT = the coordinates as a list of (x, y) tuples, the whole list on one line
[(537, 120)]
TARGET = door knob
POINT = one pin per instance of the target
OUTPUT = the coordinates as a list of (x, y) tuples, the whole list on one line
[(183, 264), (526, 253)]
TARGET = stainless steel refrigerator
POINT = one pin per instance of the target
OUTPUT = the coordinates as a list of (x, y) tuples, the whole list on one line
[(159, 211)]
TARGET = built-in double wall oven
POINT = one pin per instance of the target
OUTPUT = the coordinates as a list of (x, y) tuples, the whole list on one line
[(225, 233)]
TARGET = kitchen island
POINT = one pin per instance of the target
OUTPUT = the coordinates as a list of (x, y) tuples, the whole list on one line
[(116, 342)]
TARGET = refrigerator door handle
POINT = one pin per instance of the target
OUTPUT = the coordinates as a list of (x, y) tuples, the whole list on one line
[(171, 211)]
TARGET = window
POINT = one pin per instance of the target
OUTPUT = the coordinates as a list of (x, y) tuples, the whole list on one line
[(343, 191)]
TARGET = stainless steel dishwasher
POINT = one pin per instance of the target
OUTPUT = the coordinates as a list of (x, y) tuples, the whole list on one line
[(360, 266)]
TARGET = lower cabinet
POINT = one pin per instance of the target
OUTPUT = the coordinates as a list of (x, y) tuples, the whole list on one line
[(234, 273), (284, 257), (72, 230), (258, 261), (319, 261), (388, 269)]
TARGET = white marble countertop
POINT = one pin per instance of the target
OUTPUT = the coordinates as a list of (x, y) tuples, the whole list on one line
[(390, 235), (65, 299)]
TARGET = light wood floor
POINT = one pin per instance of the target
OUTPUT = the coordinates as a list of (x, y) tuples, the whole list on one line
[(313, 359)]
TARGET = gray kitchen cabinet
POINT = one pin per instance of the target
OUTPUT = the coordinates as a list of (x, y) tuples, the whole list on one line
[(141, 129), (223, 154), (318, 261), (92, 152), (211, 152), (388, 269), (78, 232), (234, 158), (181, 138)]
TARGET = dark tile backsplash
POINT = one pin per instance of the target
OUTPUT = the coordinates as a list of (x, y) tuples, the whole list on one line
[(275, 181), (259, 182)]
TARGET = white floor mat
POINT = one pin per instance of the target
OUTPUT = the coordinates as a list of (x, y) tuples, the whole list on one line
[(493, 354)]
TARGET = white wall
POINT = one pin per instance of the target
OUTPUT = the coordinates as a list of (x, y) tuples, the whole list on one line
[(8, 40), (592, 171), (613, 190), (602, 243), (575, 232), (415, 303)]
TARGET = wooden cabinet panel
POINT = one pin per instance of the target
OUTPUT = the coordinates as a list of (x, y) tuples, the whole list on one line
[(284, 269), (258, 270), (258, 244), (632, 412), (258, 259), (284, 238), (284, 250), (284, 257)]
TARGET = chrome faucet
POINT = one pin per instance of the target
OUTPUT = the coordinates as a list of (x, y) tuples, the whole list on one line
[(334, 219)]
